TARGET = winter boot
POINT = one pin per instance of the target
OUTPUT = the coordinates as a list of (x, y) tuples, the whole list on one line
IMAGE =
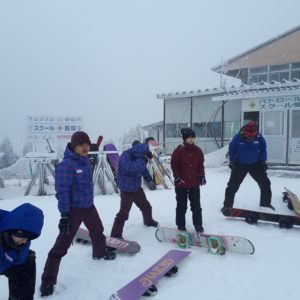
[(46, 289)]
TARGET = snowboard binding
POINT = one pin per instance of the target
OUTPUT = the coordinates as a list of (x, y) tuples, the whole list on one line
[(252, 219), (215, 245), (151, 291), (184, 240), (286, 199), (173, 271)]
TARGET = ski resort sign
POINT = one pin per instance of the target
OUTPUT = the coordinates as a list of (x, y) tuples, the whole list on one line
[(55, 129)]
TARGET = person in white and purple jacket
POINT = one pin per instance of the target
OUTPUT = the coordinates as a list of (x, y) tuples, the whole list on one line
[(74, 192)]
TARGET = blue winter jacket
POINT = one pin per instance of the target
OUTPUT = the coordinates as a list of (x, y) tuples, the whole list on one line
[(132, 167), (248, 152), (25, 217), (74, 182)]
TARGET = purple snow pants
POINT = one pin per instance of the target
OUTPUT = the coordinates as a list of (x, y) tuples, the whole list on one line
[(127, 198), (92, 221)]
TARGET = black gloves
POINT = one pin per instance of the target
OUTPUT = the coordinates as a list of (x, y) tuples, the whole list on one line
[(264, 165), (232, 165), (202, 180), (149, 155), (64, 224), (151, 185)]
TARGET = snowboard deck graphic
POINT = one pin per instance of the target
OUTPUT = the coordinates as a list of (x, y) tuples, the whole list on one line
[(122, 246), (234, 244), (295, 202), (136, 288), (251, 217)]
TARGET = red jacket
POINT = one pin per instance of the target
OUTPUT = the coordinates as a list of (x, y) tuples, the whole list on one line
[(187, 163)]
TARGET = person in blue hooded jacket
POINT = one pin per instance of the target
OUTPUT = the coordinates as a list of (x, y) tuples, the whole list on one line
[(17, 262), (248, 154), (132, 167)]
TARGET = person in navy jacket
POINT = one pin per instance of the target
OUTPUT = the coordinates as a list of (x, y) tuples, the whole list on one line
[(248, 154), (187, 163), (17, 262), (75, 195), (132, 167)]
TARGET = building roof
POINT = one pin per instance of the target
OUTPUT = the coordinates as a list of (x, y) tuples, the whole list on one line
[(192, 93), (261, 90), (218, 68)]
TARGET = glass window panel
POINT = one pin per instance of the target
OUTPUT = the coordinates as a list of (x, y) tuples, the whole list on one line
[(173, 130), (296, 65), (200, 129), (273, 123), (295, 123), (296, 74), (279, 67), (263, 69)]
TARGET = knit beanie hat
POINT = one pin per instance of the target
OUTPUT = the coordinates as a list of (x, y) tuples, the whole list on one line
[(250, 130), (79, 137), (187, 132)]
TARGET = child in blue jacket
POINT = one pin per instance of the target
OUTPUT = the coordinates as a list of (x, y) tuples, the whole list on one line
[(17, 261)]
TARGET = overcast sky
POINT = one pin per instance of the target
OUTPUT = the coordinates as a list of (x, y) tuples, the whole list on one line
[(107, 60)]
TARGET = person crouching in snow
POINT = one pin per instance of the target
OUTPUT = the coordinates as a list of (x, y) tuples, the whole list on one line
[(75, 195), (132, 167), (17, 262)]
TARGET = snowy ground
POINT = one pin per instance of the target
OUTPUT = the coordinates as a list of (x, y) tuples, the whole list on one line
[(271, 273)]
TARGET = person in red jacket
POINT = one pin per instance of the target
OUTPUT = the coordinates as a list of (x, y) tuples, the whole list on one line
[(188, 171)]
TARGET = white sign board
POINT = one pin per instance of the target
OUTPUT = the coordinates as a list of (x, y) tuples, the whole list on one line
[(55, 129)]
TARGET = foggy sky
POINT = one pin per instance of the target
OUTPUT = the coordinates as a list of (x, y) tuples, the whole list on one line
[(107, 60)]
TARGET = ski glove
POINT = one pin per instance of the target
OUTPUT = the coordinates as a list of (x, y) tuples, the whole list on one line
[(202, 180), (151, 185), (64, 224), (149, 155), (265, 166), (232, 166), (179, 181)]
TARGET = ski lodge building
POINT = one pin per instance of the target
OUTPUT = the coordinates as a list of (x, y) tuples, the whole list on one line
[(269, 94)]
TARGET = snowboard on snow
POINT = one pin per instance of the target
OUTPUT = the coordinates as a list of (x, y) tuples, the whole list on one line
[(147, 280), (122, 246), (215, 243), (292, 200), (252, 217)]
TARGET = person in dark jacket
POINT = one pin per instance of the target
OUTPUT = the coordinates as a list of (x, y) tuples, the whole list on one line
[(132, 167), (248, 154), (17, 262), (74, 192), (188, 172)]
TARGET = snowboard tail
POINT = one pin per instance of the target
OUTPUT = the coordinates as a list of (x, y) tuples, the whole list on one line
[(122, 246), (234, 244), (137, 287), (292, 200)]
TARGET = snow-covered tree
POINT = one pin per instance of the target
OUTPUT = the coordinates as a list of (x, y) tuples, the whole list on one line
[(9, 157)]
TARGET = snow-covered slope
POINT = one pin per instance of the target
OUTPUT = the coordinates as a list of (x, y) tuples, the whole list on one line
[(271, 273)]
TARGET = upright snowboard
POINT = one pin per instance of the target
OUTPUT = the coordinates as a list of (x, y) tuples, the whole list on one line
[(292, 200), (136, 288), (231, 243), (122, 246), (251, 217)]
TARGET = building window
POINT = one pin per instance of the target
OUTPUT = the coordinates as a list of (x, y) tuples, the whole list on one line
[(282, 67), (296, 74), (278, 76), (209, 130), (296, 65), (263, 69), (258, 78), (173, 130)]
